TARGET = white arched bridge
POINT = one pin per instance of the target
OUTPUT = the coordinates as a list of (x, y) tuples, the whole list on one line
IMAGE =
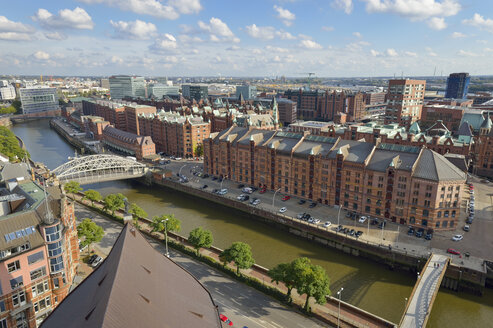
[(99, 168)]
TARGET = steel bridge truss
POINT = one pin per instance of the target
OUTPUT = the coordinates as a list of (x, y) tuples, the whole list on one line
[(102, 167)]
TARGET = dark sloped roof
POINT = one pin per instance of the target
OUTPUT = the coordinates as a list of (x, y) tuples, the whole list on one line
[(136, 286), (433, 166), (465, 130), (358, 151), (381, 160)]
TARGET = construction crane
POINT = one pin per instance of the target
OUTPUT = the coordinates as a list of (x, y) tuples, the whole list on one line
[(309, 80)]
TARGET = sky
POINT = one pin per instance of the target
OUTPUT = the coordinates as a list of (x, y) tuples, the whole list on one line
[(267, 38)]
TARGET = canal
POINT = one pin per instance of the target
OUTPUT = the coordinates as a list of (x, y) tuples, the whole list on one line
[(366, 284)]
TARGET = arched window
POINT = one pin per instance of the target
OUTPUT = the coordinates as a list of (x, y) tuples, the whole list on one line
[(425, 213), (412, 220)]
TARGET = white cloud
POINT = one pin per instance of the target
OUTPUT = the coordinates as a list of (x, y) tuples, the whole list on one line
[(137, 30), (55, 36), (186, 6), (7, 25), (261, 32), (41, 55), (14, 36), (458, 35), (309, 44), (410, 54), (218, 30), (164, 43), (233, 48), (116, 60), (414, 9), (66, 18), (285, 15), (431, 53), (480, 22), (15, 31), (391, 52), (145, 7), (357, 34), (346, 5), (283, 35), (328, 28), (464, 53), (375, 53), (276, 49), (437, 23)]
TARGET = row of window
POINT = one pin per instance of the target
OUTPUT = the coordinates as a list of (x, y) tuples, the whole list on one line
[(31, 259)]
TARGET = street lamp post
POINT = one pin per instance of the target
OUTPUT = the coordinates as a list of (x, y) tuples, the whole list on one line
[(273, 197), (222, 180), (405, 303), (338, 215), (181, 168), (368, 230), (339, 293), (166, 235)]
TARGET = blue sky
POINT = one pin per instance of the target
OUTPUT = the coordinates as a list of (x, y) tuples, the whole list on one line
[(333, 38)]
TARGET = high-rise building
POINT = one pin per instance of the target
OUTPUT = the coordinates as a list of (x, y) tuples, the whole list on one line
[(248, 91), (38, 99), (105, 83), (158, 91), (7, 92), (405, 101), (195, 91), (127, 86), (457, 85), (39, 250)]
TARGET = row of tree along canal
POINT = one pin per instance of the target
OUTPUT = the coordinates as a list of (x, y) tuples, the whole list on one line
[(367, 285)]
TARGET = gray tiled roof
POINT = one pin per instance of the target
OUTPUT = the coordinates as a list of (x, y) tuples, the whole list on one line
[(433, 166), (358, 150), (381, 160)]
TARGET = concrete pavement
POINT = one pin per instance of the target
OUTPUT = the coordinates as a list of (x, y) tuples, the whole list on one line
[(242, 304)]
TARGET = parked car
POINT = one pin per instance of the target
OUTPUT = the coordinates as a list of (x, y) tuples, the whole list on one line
[(262, 191), (92, 258), (247, 190), (362, 219), (429, 236), (96, 261), (241, 186), (300, 215), (240, 197), (204, 186), (327, 224), (256, 201), (253, 201), (214, 191), (312, 205), (352, 232), (411, 231), (359, 233), (214, 178), (285, 198), (302, 201), (225, 320), (453, 251), (467, 228), (306, 216), (420, 232), (457, 237), (316, 221), (339, 228), (223, 192)]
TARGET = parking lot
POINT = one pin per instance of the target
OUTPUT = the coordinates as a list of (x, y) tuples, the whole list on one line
[(477, 241)]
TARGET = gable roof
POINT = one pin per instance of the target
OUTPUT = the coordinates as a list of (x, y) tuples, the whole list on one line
[(136, 286), (433, 166)]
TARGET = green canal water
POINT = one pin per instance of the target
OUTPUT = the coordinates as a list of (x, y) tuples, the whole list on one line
[(366, 284)]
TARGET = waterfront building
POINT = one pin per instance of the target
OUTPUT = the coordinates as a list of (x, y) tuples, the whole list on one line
[(175, 134), (405, 101), (38, 99), (405, 184), (132, 112), (195, 91), (159, 91), (127, 86), (248, 92), (7, 92), (457, 85), (128, 290), (128, 143), (39, 250)]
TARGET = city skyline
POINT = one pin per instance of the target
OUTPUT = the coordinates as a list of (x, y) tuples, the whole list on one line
[(341, 38)]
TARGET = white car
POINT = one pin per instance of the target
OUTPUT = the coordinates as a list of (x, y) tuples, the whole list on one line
[(240, 197), (316, 221), (283, 209), (256, 202), (362, 219), (223, 192), (327, 224), (457, 237), (96, 262)]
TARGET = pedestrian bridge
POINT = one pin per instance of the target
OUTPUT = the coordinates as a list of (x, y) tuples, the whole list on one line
[(421, 301), (99, 168)]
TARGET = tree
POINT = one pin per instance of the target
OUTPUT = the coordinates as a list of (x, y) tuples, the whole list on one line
[(9, 145), (311, 280), (199, 150), (72, 187), (18, 106), (200, 237), (284, 273), (172, 224), (91, 232), (93, 196), (137, 213), (241, 254), (113, 202), (7, 110)]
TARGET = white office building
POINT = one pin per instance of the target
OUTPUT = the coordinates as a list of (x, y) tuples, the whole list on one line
[(38, 99), (7, 92), (158, 91), (127, 86)]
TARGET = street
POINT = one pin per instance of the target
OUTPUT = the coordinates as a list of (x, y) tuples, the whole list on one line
[(245, 306)]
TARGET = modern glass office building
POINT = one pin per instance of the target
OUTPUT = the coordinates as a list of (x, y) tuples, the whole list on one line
[(127, 86), (38, 99), (457, 85), (158, 91), (248, 91), (195, 91)]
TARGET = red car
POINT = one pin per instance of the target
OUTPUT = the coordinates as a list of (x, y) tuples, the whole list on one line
[(263, 190), (225, 320), (285, 198), (453, 251)]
